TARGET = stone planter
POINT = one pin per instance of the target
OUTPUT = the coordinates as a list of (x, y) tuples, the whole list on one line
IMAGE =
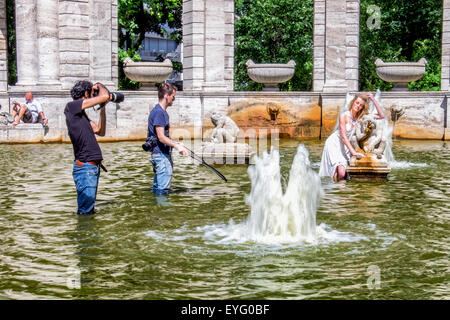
[(400, 73), (148, 73), (270, 74)]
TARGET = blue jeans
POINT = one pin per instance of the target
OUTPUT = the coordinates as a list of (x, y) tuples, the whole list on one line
[(162, 168), (86, 182)]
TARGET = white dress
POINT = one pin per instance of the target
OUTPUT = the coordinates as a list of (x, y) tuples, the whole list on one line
[(335, 152)]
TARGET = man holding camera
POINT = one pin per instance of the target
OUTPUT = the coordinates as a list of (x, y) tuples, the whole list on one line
[(159, 142), (82, 131)]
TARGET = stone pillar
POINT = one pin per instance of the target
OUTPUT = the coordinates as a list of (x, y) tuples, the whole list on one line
[(100, 41), (48, 42), (88, 37), (3, 49), (26, 39), (445, 55), (208, 45), (73, 41), (336, 45)]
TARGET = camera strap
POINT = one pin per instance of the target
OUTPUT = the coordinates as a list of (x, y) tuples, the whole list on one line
[(103, 167)]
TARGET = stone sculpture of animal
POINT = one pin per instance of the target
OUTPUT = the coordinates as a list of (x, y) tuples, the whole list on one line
[(225, 131), (368, 136)]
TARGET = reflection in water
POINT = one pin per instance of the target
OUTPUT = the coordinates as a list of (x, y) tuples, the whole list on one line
[(139, 246)]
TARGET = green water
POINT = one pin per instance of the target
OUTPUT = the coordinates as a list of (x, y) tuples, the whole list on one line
[(139, 246)]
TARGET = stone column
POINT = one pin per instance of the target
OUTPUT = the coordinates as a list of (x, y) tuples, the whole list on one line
[(100, 41), (208, 48), (48, 42), (193, 44), (445, 55), (3, 49), (336, 45), (26, 39)]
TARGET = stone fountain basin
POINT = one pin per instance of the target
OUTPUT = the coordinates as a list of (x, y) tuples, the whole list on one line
[(400, 71), (150, 72), (270, 73)]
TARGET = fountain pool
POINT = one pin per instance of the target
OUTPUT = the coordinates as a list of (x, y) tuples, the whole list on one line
[(139, 246)]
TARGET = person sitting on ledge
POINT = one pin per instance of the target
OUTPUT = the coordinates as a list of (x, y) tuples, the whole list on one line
[(30, 112)]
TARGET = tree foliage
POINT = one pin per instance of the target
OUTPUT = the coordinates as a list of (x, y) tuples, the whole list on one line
[(408, 31), (268, 31), (136, 18), (11, 40)]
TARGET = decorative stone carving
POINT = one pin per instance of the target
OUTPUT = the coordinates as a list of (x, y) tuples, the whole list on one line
[(400, 73), (226, 129), (270, 74), (273, 110), (370, 138), (149, 73), (223, 147), (396, 112)]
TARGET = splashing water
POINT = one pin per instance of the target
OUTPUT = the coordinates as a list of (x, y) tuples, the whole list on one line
[(288, 217)]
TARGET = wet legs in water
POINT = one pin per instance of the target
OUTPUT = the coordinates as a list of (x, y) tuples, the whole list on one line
[(340, 174)]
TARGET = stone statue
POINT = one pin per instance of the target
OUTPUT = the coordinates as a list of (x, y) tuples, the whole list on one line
[(226, 130), (368, 136), (5, 117), (223, 147)]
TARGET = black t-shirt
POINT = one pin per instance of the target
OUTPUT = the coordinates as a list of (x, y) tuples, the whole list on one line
[(85, 145)]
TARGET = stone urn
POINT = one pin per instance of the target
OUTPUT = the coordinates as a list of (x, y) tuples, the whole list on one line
[(270, 74), (148, 73), (400, 73)]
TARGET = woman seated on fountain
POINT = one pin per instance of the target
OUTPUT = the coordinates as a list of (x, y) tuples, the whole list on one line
[(338, 149)]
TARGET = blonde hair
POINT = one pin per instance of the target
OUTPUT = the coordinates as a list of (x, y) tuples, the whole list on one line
[(363, 110)]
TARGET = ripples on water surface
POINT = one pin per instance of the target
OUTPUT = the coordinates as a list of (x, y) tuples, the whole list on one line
[(139, 246)]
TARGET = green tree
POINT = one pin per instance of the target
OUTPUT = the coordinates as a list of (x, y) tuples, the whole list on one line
[(137, 17), (268, 31), (408, 31), (11, 34)]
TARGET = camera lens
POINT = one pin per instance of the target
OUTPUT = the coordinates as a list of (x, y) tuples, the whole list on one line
[(117, 97), (146, 146)]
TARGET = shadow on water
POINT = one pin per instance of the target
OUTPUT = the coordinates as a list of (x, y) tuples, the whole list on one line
[(139, 246)]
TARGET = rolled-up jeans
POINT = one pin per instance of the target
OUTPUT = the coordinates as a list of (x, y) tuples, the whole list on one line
[(162, 169), (86, 181)]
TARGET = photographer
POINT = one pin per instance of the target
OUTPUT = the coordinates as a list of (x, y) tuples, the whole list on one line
[(159, 142), (88, 156)]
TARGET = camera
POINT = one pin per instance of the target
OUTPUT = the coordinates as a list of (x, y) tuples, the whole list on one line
[(150, 143), (115, 96)]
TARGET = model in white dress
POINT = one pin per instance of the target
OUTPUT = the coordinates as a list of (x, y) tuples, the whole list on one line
[(335, 152), (338, 150)]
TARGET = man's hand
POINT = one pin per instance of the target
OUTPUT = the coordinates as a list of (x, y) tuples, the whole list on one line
[(181, 149), (102, 90)]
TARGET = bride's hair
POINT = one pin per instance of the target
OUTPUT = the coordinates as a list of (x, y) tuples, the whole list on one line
[(364, 110)]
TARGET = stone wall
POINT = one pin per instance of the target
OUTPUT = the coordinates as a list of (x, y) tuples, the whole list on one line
[(302, 115), (70, 40), (208, 45)]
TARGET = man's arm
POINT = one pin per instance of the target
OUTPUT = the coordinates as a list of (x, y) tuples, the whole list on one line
[(103, 96), (100, 128), (44, 120), (169, 142)]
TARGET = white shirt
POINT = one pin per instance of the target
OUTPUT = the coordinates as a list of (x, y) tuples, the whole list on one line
[(35, 108)]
